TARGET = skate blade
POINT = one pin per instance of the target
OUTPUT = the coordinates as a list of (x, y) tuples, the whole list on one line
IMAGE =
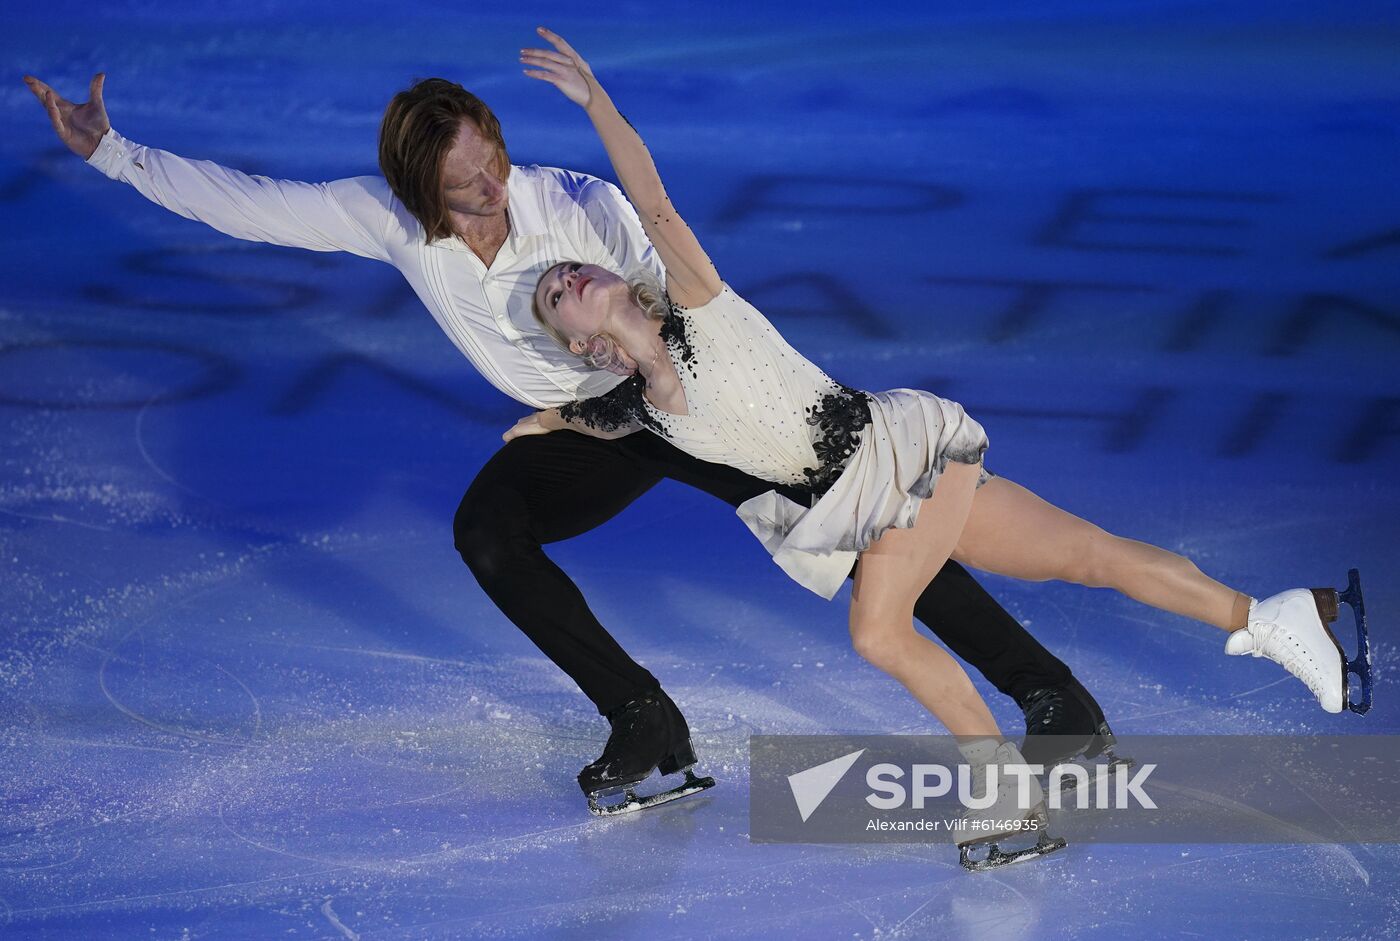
[(1361, 665), (1049, 761), (996, 857), (632, 802), (1328, 601), (1115, 764)]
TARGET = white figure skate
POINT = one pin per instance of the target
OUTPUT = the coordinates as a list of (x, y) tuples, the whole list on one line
[(1291, 629), (1007, 818)]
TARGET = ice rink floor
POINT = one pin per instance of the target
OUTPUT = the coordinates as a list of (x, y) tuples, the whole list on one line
[(247, 688)]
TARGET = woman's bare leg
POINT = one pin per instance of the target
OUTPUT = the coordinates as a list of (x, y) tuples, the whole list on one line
[(889, 579), (1011, 531)]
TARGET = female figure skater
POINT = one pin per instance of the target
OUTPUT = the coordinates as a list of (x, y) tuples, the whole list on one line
[(894, 476)]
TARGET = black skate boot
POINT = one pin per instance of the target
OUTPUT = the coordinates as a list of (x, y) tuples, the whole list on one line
[(648, 734), (1064, 723)]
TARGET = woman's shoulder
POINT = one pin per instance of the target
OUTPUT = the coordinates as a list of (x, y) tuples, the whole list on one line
[(725, 298)]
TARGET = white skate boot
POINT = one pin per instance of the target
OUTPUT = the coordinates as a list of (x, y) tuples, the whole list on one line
[(1289, 629), (1008, 817)]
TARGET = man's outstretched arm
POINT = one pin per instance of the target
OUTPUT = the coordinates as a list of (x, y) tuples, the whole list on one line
[(346, 215)]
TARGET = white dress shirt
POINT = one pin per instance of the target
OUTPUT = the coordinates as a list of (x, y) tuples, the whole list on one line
[(555, 215)]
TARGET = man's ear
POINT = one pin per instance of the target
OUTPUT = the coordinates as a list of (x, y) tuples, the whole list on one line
[(577, 347)]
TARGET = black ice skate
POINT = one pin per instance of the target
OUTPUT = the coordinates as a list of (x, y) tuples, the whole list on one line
[(1064, 723), (648, 734)]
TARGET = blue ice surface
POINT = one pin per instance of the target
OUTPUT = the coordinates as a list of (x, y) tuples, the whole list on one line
[(249, 691)]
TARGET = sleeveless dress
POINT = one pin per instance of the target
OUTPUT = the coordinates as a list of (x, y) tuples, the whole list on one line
[(864, 460)]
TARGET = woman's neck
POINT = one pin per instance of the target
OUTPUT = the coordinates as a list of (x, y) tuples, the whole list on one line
[(640, 338)]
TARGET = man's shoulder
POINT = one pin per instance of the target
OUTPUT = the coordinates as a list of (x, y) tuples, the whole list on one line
[(369, 188), (560, 182), (369, 199)]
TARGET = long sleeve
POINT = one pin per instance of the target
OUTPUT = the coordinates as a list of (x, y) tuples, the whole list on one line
[(349, 215), (615, 223)]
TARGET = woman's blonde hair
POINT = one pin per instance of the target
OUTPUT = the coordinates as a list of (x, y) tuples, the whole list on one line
[(647, 295)]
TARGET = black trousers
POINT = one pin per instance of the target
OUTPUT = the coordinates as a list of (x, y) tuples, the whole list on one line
[(540, 489)]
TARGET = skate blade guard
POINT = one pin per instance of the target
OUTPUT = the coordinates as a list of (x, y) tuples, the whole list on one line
[(1328, 607), (632, 801)]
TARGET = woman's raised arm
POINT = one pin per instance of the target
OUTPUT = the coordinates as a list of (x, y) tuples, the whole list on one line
[(691, 279)]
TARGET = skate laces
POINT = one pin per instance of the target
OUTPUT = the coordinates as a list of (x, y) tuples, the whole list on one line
[(977, 780), (1040, 707), (977, 776), (1280, 646)]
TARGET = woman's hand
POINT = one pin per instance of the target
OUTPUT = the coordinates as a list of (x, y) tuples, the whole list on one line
[(536, 423), (79, 126), (564, 69)]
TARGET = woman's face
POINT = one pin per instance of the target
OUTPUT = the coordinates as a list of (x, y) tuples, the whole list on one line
[(575, 298)]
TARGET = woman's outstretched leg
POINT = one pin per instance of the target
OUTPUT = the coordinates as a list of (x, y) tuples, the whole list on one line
[(1011, 531), (889, 578)]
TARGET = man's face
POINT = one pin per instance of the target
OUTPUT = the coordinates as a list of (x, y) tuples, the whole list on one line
[(474, 174)]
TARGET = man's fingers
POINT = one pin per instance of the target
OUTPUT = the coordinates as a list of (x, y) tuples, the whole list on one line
[(55, 117), (95, 89), (65, 107), (37, 87)]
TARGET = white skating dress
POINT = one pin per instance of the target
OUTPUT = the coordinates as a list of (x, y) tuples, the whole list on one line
[(864, 459)]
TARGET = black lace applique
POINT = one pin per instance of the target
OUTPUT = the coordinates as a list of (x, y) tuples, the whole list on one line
[(624, 402), (673, 331), (619, 406), (839, 418)]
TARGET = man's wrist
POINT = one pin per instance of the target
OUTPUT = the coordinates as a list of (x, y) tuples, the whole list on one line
[(110, 154)]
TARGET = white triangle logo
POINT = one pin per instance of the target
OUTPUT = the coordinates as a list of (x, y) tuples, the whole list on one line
[(810, 787)]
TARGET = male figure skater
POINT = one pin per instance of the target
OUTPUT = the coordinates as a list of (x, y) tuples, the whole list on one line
[(471, 234)]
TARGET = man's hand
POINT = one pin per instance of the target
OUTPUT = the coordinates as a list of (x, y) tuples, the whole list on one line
[(564, 69), (79, 126), (533, 424)]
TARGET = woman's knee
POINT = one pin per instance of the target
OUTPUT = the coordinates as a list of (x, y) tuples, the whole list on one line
[(878, 638), (878, 649), (1090, 558)]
